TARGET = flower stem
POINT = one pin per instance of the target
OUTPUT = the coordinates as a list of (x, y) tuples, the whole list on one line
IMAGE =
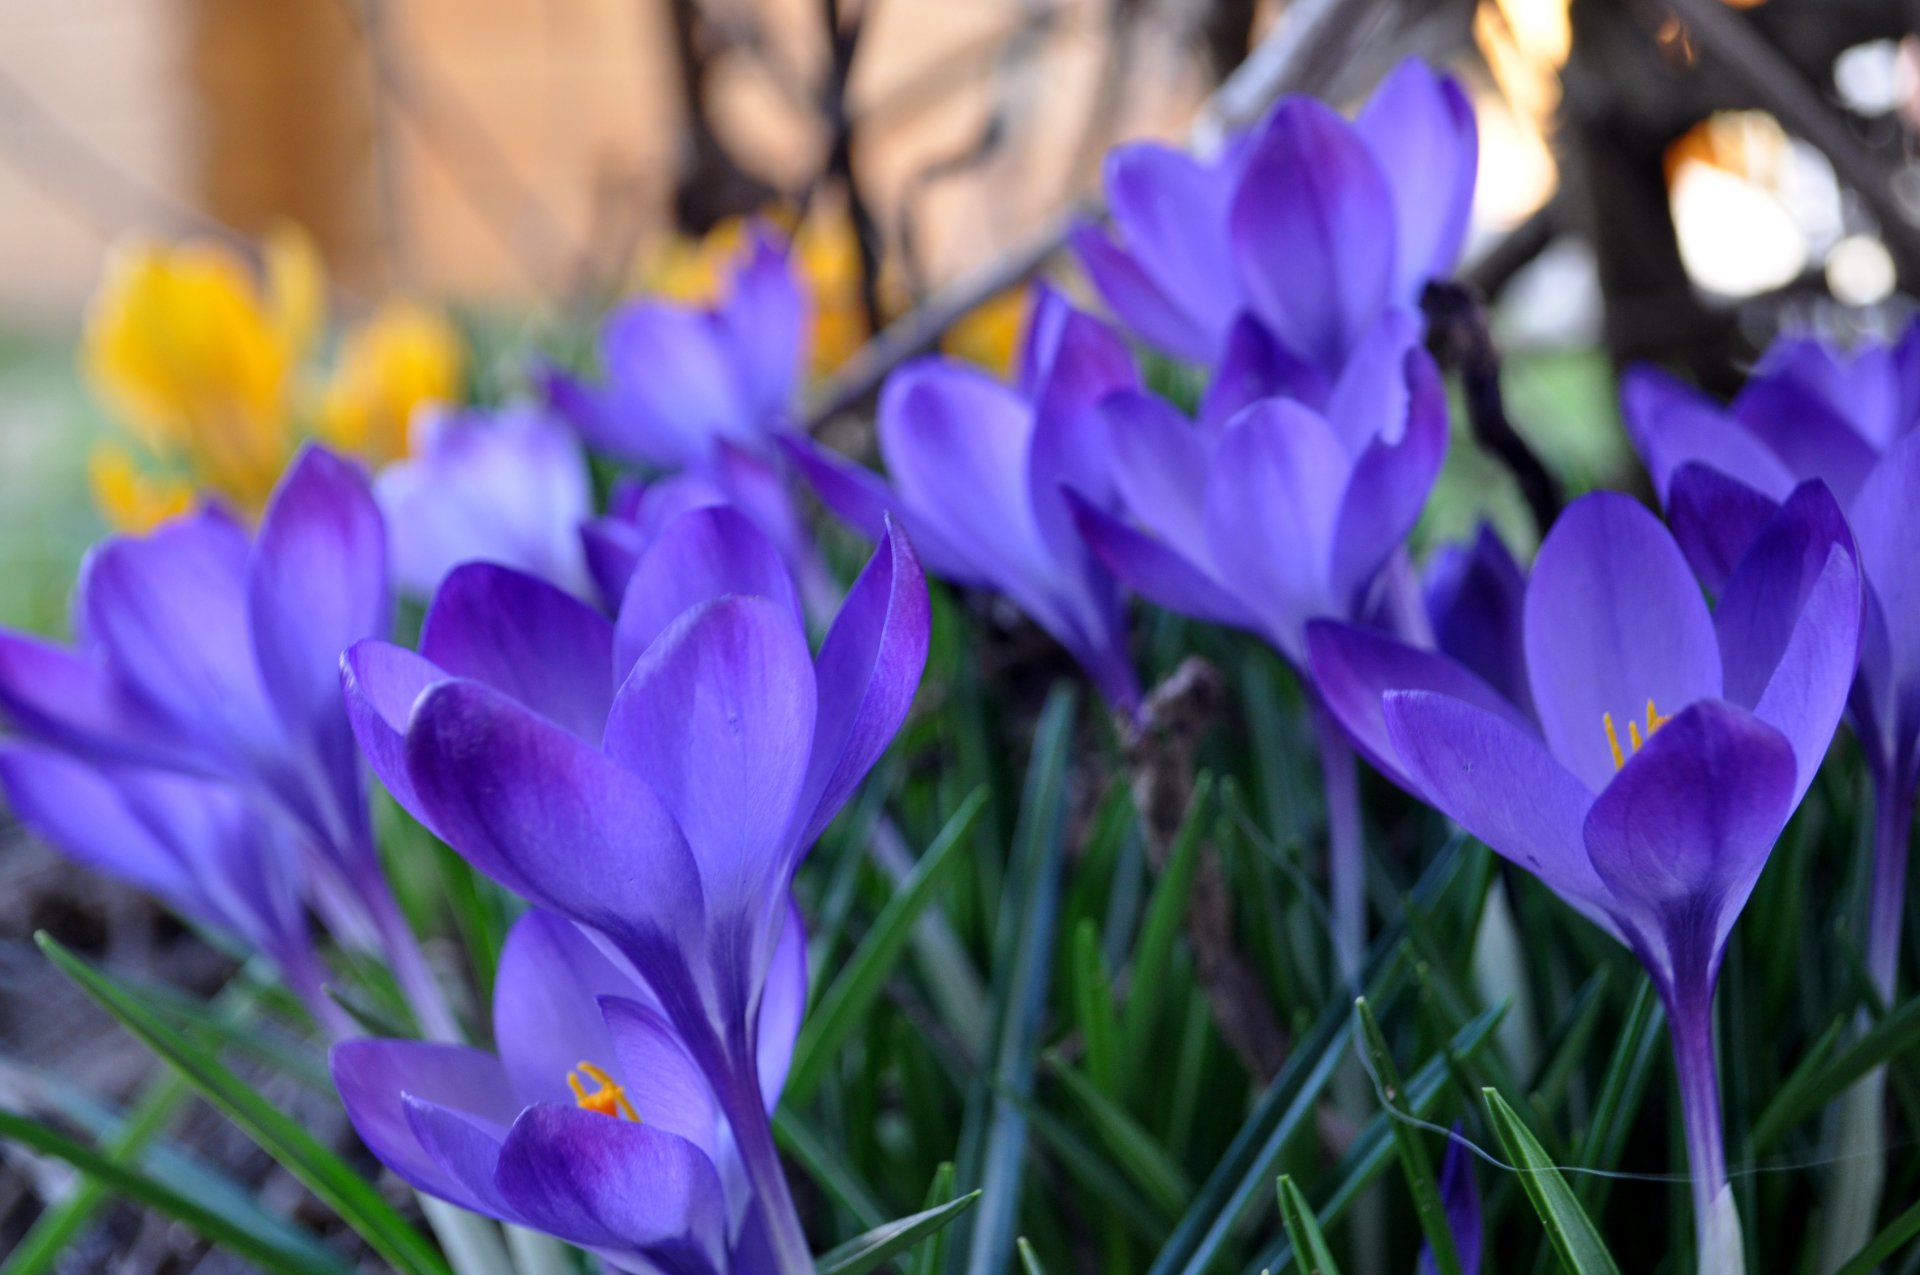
[(1892, 827), (753, 1135), (1690, 1025), (408, 962), (1346, 854)]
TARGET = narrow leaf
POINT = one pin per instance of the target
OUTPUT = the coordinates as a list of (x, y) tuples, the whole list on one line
[(1415, 1163), (1309, 1245), (883, 1243), (1570, 1230)]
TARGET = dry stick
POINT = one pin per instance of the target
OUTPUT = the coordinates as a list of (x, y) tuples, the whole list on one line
[(1160, 747), (1740, 51), (1309, 31)]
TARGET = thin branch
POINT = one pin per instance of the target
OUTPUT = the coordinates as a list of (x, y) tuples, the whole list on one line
[(843, 42)]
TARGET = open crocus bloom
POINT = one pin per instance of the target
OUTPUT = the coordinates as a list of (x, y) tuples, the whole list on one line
[(508, 486), (1283, 511), (656, 778), (1667, 745), (979, 472), (1315, 225), (595, 1121)]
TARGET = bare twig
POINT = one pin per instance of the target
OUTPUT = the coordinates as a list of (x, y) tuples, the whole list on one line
[(843, 42), (1291, 51)]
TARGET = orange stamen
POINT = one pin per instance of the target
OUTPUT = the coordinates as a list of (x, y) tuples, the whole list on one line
[(607, 1098)]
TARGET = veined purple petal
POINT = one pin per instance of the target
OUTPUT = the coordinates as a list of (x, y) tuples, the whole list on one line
[(550, 817), (1354, 668), (1714, 519), (526, 638), (1138, 301), (616, 1187), (1614, 621), (380, 682), (666, 1086), (546, 1005), (1500, 784), (1313, 230), (719, 716), (1789, 623), (1388, 487), (867, 673), (1256, 366), (1420, 128), (706, 554), (1681, 834), (1475, 597), (375, 1079), (1156, 571)]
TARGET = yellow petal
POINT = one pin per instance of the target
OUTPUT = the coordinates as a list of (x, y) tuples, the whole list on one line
[(129, 499), (404, 356), (297, 284)]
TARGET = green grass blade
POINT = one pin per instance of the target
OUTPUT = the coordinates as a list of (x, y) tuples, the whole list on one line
[(1806, 1092), (1415, 1162), (1310, 1246), (357, 1201), (1129, 1146), (243, 1241), (884, 1243), (1166, 909), (932, 1255), (828, 1168), (1093, 1003), (844, 1006), (1884, 1245), (1029, 1260), (1571, 1231)]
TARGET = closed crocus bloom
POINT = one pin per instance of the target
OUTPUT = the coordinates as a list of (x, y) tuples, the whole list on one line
[(405, 357), (595, 1121), (1667, 746), (656, 778), (1312, 223), (1475, 600), (196, 360), (1460, 1197), (509, 486), (979, 473), (205, 649)]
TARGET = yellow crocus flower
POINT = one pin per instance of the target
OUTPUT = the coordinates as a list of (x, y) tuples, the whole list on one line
[(989, 333), (197, 365), (130, 498), (404, 356)]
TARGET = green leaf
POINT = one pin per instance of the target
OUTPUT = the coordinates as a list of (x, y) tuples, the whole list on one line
[(1029, 1260), (1153, 953), (883, 1243), (1304, 1231), (1131, 1148), (844, 1006), (1622, 1087), (827, 1167), (933, 1254), (356, 1200), (1415, 1162), (1571, 1231), (241, 1240), (1093, 1001), (1807, 1091), (1885, 1244)]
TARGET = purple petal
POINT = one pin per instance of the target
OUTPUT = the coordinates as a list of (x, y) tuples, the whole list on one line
[(1420, 127), (549, 817), (1389, 485), (1671, 424), (375, 1078), (1805, 432), (1498, 782), (64, 698), (1075, 361), (1369, 400), (1714, 519), (1160, 461), (615, 1186), (1614, 620), (1354, 668), (703, 555), (546, 1005), (1172, 210), (719, 715), (765, 313), (1157, 572), (666, 1086), (380, 683), (862, 498), (1475, 598), (1138, 301), (612, 548), (526, 638), (1254, 367), (1313, 231), (1789, 624), (1681, 834), (783, 1004), (867, 673), (674, 384), (1884, 517), (1460, 1197)]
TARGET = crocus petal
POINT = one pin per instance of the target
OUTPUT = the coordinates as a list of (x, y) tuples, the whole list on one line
[(1614, 620), (1789, 623), (1681, 834), (1157, 572), (1420, 127), (550, 817), (1256, 366), (1501, 785), (783, 1004), (614, 1186), (1272, 502), (1801, 428), (612, 548), (317, 584), (1368, 401), (1159, 461), (1886, 524), (662, 1080), (703, 555), (526, 638), (65, 698), (674, 383), (466, 1150), (1460, 1198), (375, 1078), (1172, 210), (765, 313), (863, 499), (1714, 519), (1389, 486), (1138, 301), (1475, 596), (718, 715), (1313, 227), (1076, 361), (1354, 668), (546, 1005), (868, 670), (1671, 423), (380, 682)]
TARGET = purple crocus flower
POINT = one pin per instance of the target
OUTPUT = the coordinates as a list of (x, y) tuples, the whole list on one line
[(508, 486), (1475, 600), (1315, 225), (656, 778), (595, 1121), (979, 472), (1460, 1197), (1666, 748), (206, 651)]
